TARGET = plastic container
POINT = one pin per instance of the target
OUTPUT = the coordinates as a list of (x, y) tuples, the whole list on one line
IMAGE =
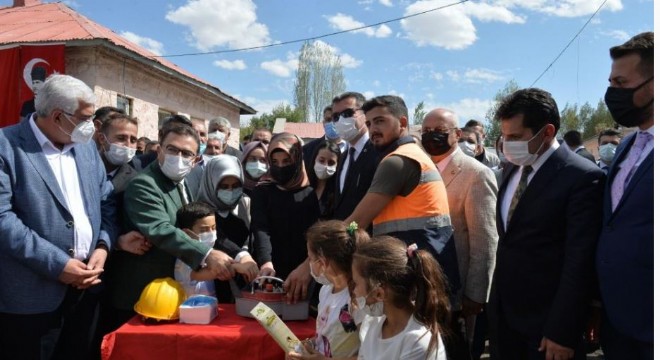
[(275, 299)]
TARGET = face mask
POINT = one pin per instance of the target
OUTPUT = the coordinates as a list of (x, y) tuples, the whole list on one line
[(283, 174), (255, 169), (321, 279), (375, 309), (176, 167), (208, 238), (119, 155), (323, 171), (607, 152), (467, 148), (218, 135), (82, 133), (202, 148), (208, 158), (229, 197), (517, 152), (435, 143), (620, 103), (347, 128), (330, 131)]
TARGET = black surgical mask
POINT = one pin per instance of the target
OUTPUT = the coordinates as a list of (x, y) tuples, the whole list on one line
[(435, 143), (283, 174), (620, 103)]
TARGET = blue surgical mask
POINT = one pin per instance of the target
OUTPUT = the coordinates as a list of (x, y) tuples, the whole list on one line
[(202, 148), (330, 131), (230, 197)]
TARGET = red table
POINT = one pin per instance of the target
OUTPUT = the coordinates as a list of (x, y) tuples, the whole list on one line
[(229, 336)]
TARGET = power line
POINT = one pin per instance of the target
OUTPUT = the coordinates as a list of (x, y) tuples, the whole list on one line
[(314, 37), (569, 43)]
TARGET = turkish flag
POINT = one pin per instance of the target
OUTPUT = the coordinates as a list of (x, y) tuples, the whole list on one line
[(23, 70)]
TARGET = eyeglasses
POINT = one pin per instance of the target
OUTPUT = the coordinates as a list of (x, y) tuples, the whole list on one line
[(438, 130), (345, 114), (173, 150), (69, 116)]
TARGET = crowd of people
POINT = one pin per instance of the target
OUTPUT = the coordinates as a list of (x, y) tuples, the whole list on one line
[(405, 249)]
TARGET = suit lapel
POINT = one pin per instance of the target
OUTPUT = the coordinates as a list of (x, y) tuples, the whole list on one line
[(507, 171), (35, 154), (85, 173), (452, 170)]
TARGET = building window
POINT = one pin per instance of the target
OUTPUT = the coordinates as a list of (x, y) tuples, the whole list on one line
[(125, 104), (162, 114)]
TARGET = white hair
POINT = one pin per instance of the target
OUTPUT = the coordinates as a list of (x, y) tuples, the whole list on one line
[(220, 121), (62, 92)]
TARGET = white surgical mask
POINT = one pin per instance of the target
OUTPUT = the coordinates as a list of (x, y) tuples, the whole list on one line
[(208, 238), (119, 154), (347, 128), (208, 158), (375, 309), (517, 152), (321, 279), (176, 167), (323, 171), (229, 197), (82, 133), (217, 135), (255, 168), (468, 148), (607, 152)]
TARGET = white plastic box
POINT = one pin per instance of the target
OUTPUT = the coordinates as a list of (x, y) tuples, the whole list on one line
[(198, 309)]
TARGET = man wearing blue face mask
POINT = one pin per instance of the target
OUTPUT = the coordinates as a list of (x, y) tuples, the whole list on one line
[(624, 261), (548, 212), (330, 134), (608, 140)]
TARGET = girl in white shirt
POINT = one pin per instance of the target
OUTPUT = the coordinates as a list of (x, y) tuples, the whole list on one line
[(330, 247), (403, 292)]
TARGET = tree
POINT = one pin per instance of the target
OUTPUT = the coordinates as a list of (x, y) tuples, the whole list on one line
[(493, 126), (320, 77), (267, 120), (418, 116), (569, 119), (599, 120)]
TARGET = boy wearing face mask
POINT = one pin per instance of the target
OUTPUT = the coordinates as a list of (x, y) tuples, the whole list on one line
[(608, 140)]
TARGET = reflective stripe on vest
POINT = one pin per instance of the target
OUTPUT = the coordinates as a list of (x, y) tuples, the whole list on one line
[(426, 206)]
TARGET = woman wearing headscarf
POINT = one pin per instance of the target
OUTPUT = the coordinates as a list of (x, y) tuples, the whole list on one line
[(284, 206), (222, 188), (255, 165)]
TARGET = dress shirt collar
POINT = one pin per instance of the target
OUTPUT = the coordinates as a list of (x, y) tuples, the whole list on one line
[(442, 164), (47, 146), (542, 159), (359, 145)]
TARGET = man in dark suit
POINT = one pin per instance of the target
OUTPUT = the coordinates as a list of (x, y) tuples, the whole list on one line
[(57, 223), (354, 175), (573, 140), (330, 135), (624, 259), (548, 212)]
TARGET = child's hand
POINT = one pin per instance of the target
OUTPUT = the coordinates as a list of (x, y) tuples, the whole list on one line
[(309, 353), (203, 274), (247, 267)]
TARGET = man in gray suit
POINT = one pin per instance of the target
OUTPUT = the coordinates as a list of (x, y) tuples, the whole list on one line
[(57, 224), (472, 195)]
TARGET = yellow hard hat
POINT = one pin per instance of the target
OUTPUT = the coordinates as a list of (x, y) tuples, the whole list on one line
[(160, 299)]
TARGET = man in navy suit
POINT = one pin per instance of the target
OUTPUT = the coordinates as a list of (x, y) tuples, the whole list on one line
[(548, 217), (624, 260), (56, 224)]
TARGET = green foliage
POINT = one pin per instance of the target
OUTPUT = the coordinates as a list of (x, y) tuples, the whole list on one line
[(492, 126), (267, 120), (418, 115)]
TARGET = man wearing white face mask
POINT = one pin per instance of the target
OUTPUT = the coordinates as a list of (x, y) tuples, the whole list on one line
[(57, 223), (151, 201), (608, 140), (548, 213), (215, 144), (358, 164)]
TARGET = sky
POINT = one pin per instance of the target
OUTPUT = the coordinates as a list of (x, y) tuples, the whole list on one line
[(457, 57)]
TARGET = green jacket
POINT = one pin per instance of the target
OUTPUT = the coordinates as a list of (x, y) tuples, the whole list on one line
[(151, 201)]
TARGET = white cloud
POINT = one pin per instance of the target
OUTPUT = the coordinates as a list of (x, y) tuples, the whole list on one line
[(369, 94), (347, 60), (261, 105), (562, 8), (230, 65), (387, 3), (436, 76), (466, 109), (280, 68), (213, 23), (477, 76), (376, 83), (395, 93), (346, 22), (617, 35), (152, 45), (453, 75)]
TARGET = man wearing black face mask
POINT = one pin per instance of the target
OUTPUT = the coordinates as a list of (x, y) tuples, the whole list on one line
[(472, 194), (624, 259)]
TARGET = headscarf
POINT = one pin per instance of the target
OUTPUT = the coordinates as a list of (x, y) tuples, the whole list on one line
[(215, 170), (249, 183), (292, 145)]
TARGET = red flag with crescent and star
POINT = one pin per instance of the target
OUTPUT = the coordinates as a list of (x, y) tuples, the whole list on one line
[(23, 70)]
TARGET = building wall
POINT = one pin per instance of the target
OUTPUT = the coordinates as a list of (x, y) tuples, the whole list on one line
[(110, 74)]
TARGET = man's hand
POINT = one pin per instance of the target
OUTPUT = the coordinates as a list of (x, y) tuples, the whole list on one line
[(247, 267), (220, 264), (297, 282), (267, 269), (470, 307), (134, 243), (554, 351), (76, 273)]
